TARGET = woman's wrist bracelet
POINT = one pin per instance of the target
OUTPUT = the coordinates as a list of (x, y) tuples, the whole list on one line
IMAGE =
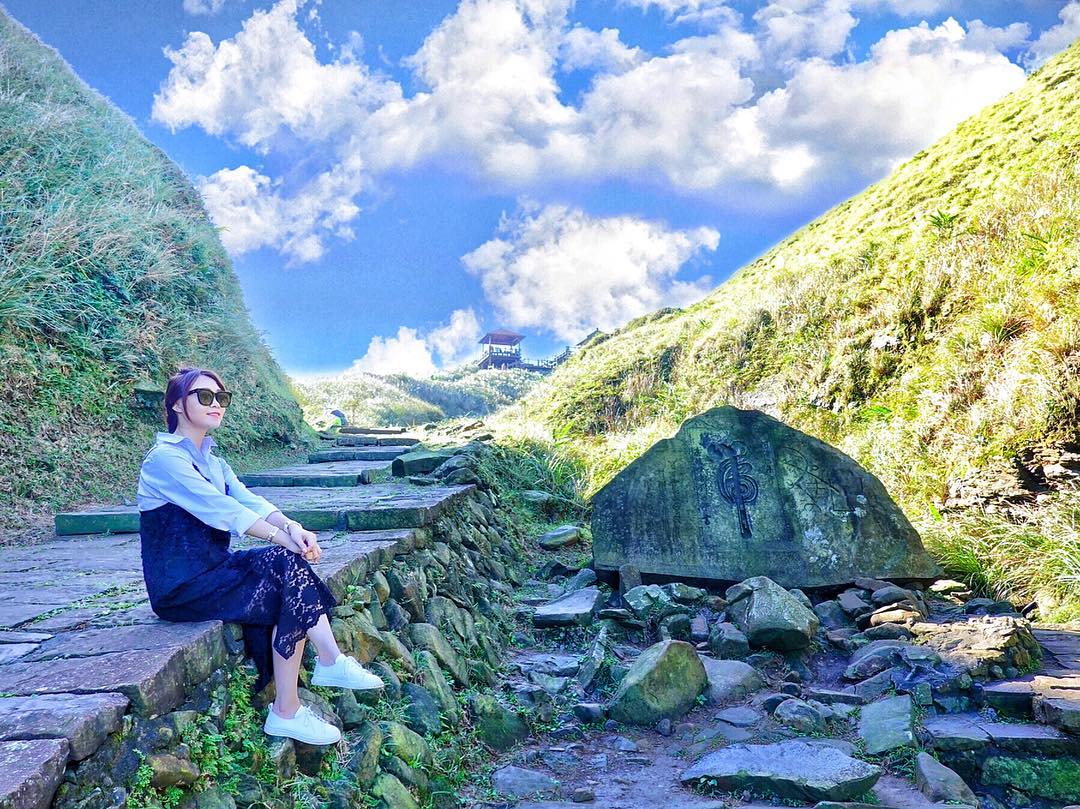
[(273, 533)]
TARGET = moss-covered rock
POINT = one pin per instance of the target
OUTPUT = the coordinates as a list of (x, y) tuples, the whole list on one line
[(663, 683), (407, 745), (364, 747), (1056, 779), (497, 726), (392, 794)]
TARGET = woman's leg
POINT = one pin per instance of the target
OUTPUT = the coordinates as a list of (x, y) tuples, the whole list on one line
[(286, 675), (323, 638), (287, 670)]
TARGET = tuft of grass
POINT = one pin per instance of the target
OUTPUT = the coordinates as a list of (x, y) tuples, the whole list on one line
[(1034, 557)]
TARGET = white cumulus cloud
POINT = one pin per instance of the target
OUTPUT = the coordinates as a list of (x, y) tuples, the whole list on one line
[(583, 48), (1058, 37), (870, 115), (562, 271), (264, 81), (410, 352), (254, 212), (203, 6), (774, 101)]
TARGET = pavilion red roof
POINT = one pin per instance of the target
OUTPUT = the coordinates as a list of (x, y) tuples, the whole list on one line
[(502, 337)]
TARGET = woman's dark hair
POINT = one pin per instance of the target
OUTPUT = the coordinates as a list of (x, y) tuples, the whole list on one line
[(180, 385)]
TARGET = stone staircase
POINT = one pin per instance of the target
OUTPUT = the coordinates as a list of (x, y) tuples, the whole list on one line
[(80, 647), (1035, 737)]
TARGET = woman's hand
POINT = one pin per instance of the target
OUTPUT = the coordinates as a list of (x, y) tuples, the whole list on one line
[(307, 544)]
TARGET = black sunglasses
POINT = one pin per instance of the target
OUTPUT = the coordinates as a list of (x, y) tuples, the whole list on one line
[(207, 396)]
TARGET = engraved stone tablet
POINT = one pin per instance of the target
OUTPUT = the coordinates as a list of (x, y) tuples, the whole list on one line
[(737, 493)]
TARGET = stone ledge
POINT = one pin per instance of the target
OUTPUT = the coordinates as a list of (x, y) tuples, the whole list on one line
[(319, 508), (85, 720), (30, 772)]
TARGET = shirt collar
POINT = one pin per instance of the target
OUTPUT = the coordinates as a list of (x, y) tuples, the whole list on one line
[(176, 438)]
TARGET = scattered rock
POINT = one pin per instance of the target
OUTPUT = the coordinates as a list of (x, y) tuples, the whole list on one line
[(731, 680), (940, 784), (740, 717), (589, 712), (852, 603), (664, 681), (560, 537), (727, 642), (517, 782), (980, 643), (887, 725), (831, 614), (582, 579), (629, 578), (648, 600), (800, 715), (770, 616), (684, 593), (577, 607), (791, 769)]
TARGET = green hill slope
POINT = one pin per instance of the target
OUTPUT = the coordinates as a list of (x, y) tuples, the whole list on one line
[(930, 327), (110, 273), (399, 399)]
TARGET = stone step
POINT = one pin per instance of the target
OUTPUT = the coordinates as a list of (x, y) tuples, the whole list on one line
[(1016, 698), (327, 475), (1061, 647), (152, 679), (85, 720), (30, 772), (104, 520), (958, 733), (367, 508), (374, 441), (351, 430), (73, 688), (387, 453), (372, 507)]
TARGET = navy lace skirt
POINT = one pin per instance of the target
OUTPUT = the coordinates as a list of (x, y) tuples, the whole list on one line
[(192, 576)]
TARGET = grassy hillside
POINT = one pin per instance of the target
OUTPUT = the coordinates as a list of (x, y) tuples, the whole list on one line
[(404, 400), (110, 273), (930, 327)]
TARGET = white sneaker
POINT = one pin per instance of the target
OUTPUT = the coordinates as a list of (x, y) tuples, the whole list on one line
[(305, 726), (345, 673)]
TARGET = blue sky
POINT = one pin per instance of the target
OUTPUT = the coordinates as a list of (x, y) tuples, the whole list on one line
[(394, 179)]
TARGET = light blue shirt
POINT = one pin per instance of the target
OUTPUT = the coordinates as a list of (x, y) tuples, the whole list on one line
[(174, 471)]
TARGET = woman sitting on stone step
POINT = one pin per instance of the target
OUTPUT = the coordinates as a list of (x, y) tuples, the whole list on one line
[(190, 502)]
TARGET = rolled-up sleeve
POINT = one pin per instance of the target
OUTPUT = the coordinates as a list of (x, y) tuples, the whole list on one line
[(175, 479), (260, 505)]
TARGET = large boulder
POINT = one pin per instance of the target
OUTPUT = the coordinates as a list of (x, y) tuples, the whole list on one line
[(770, 616), (793, 769), (737, 493), (663, 683)]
